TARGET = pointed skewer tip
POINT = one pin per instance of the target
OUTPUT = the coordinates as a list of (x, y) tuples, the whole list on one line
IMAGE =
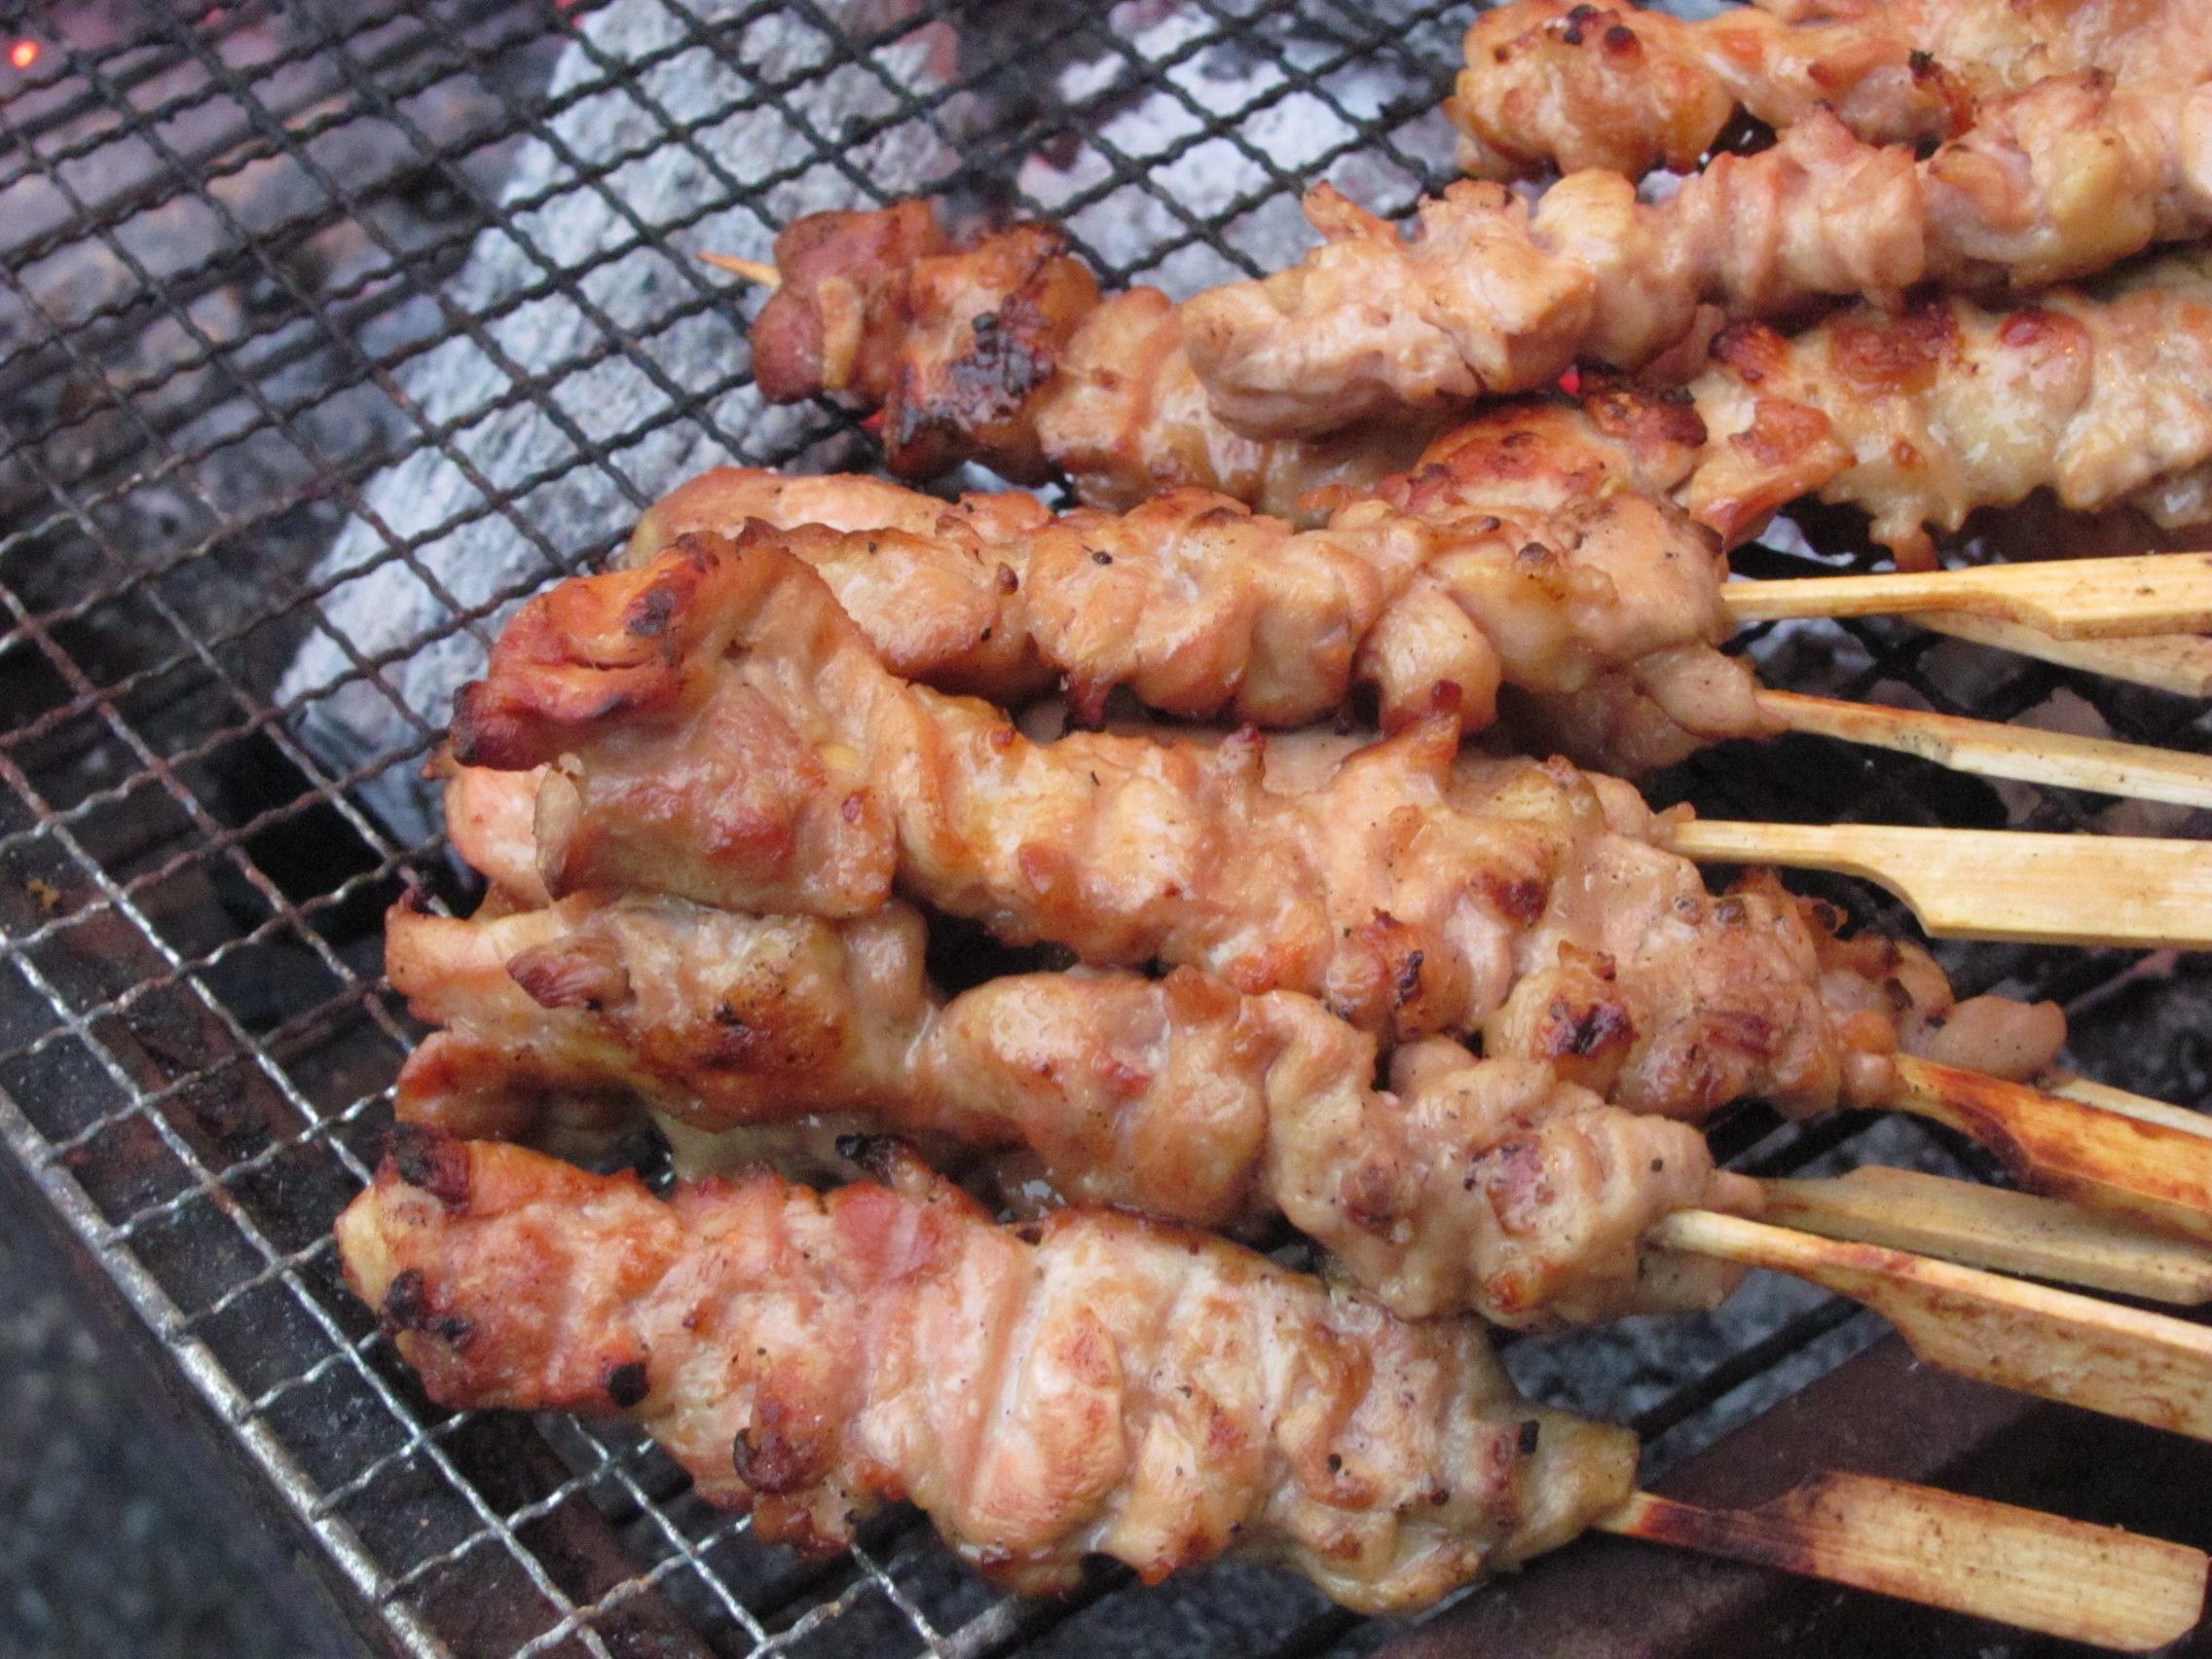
[(752, 270)]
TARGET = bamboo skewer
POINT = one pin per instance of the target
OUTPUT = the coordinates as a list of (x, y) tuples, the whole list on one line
[(2151, 1172), (1988, 1227), (2134, 1105), (1970, 1555), (1995, 884), (2064, 599), (2057, 1344), (2180, 663), (752, 270), (1991, 750)]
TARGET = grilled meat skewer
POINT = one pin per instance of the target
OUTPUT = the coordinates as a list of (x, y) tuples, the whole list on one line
[(1492, 295), (2086, 391), (1004, 352), (725, 732), (1921, 418), (1468, 1185), (1091, 1384), (1565, 84), (1095, 1385), (1515, 557)]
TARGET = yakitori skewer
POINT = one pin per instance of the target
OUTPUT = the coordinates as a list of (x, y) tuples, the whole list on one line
[(2087, 393), (1498, 563), (726, 733), (1471, 1185), (723, 732), (1970, 1555), (1122, 1347), (1661, 997), (669, 982), (1484, 1185), (1564, 84), (1492, 295), (1988, 1227)]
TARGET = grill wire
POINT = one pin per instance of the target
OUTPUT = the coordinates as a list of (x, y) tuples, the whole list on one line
[(201, 372)]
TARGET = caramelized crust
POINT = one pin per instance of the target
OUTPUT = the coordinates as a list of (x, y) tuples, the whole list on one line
[(1558, 84), (1513, 553), (1095, 1385), (1488, 295), (1485, 1186), (1002, 352), (1924, 417)]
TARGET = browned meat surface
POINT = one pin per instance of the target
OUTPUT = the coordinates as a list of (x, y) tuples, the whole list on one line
[(1485, 1186), (724, 733), (1491, 295), (1002, 352), (2101, 396), (1919, 417), (1092, 1385), (1509, 555), (1559, 84), (490, 819)]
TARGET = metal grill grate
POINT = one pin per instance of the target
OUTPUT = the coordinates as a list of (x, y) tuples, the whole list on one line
[(242, 244)]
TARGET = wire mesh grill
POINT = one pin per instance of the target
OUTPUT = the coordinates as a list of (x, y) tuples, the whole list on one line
[(235, 240)]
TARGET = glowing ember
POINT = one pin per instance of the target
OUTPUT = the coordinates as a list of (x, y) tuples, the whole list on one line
[(23, 53)]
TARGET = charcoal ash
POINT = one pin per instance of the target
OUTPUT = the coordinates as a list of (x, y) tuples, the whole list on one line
[(635, 365), (174, 355)]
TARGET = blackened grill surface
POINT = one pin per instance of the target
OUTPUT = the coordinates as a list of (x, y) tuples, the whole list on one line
[(326, 332)]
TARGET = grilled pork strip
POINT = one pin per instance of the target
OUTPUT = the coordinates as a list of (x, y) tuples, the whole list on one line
[(1092, 1385), (1517, 554), (1483, 1185), (1567, 84)]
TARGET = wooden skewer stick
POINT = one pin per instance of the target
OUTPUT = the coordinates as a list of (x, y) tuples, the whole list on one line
[(1990, 750), (2134, 1105), (2057, 1344), (2067, 598), (1994, 1561), (2152, 1173), (1988, 1227), (2180, 663), (1995, 884), (752, 270)]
